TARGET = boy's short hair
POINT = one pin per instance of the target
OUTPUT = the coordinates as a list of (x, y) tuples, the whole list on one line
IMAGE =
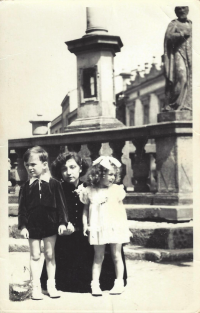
[(43, 155)]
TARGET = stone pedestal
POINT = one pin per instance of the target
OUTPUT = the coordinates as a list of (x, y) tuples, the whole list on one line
[(39, 125), (83, 124), (174, 164)]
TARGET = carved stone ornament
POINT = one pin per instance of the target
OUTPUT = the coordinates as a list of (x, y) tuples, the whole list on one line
[(178, 62)]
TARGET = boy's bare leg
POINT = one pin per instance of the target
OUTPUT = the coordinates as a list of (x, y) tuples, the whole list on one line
[(49, 253), (35, 255)]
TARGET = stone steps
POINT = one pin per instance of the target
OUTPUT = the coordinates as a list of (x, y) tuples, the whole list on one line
[(162, 235), (133, 252), (147, 234), (149, 240), (137, 212), (181, 213)]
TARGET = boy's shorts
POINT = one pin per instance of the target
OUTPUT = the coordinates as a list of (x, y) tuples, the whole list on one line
[(42, 223)]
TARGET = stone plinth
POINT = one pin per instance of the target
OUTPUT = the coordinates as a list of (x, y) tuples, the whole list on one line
[(174, 162), (174, 116), (174, 169), (95, 123)]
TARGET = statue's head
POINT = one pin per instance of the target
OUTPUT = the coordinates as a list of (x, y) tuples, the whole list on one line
[(182, 12)]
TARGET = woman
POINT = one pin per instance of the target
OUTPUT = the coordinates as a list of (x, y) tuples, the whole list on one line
[(74, 255)]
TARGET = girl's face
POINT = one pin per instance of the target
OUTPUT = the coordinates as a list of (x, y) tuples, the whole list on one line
[(70, 172), (109, 178)]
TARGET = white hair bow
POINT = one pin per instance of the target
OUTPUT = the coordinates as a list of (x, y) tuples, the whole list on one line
[(107, 161)]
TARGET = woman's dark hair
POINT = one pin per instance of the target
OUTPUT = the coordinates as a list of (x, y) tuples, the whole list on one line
[(43, 155), (97, 171), (61, 160)]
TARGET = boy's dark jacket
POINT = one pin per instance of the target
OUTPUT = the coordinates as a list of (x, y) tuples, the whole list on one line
[(52, 197)]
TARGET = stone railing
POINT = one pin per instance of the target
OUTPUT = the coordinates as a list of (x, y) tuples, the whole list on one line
[(171, 150)]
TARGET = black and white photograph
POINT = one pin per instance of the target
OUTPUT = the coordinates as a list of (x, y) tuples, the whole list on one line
[(100, 156)]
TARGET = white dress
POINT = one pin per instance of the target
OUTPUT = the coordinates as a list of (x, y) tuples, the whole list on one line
[(107, 215)]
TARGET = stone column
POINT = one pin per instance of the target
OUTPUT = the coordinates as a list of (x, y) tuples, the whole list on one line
[(95, 54), (95, 21)]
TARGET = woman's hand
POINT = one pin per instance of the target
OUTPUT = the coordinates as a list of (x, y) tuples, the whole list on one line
[(61, 229), (25, 233), (70, 228)]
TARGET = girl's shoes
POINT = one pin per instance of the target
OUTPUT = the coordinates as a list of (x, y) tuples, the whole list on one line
[(51, 289), (118, 287), (96, 290), (36, 291)]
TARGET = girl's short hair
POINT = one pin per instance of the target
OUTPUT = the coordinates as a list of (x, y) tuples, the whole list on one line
[(61, 160), (97, 171), (43, 155)]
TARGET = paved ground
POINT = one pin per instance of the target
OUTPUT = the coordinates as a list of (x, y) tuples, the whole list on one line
[(152, 287)]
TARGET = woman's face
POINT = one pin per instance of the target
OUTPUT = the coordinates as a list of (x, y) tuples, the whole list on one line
[(71, 171)]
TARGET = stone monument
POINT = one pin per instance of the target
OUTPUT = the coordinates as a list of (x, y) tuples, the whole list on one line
[(178, 67), (174, 150)]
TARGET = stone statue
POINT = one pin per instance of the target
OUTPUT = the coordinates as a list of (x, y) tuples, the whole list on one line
[(178, 62)]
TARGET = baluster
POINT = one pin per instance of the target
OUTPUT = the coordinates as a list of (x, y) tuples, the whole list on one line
[(127, 181), (20, 171), (12, 167), (117, 147), (153, 173), (140, 165), (94, 148)]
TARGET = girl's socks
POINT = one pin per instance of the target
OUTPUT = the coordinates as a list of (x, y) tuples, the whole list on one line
[(118, 287)]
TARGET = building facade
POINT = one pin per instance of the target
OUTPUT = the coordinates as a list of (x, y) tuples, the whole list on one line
[(68, 114)]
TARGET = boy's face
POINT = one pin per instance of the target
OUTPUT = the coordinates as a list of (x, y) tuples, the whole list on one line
[(34, 166), (109, 178)]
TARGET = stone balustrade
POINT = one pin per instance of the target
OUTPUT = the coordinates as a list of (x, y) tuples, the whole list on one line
[(172, 171)]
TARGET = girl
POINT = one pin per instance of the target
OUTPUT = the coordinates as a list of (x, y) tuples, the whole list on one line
[(105, 219), (42, 214)]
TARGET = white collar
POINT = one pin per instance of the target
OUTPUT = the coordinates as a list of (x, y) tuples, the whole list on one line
[(46, 177)]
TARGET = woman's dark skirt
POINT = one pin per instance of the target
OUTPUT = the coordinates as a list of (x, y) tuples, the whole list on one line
[(74, 258)]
